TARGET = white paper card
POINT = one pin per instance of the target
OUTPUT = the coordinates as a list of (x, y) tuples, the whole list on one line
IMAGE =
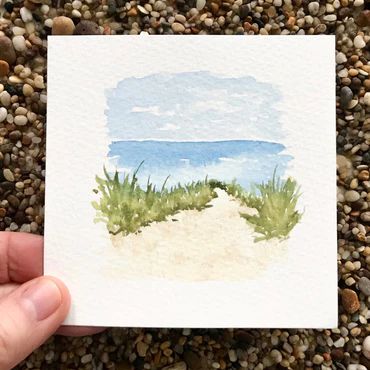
[(190, 181)]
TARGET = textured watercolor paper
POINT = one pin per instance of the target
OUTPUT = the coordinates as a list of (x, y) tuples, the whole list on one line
[(190, 181)]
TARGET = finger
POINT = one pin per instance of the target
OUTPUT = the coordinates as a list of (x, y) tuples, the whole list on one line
[(6, 289), (20, 257), (28, 316), (78, 331)]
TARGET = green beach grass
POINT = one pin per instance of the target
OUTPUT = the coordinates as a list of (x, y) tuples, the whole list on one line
[(125, 207)]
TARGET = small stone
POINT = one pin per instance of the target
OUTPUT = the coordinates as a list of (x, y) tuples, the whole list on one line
[(19, 43), (337, 354), (364, 286), (20, 120), (330, 18), (313, 7), (86, 358), (177, 366), (276, 356), (318, 359), (340, 57), (346, 96), (363, 19), (200, 4), (365, 216), (39, 82), (367, 99), (351, 196), (366, 347), (339, 343), (27, 90), (141, 348), (62, 26), (177, 27), (244, 10), (232, 355), (8, 174), (26, 15), (364, 175), (4, 68), (7, 51), (359, 42), (350, 301), (3, 114), (87, 28), (13, 200)]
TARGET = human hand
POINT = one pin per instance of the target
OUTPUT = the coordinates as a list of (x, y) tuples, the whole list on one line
[(32, 307)]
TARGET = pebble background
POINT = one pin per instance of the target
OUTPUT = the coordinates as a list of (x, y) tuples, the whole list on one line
[(24, 27)]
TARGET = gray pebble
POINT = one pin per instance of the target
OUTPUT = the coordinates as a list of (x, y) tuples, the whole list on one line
[(346, 96), (364, 286)]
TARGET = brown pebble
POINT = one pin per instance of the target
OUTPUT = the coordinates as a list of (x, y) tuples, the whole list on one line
[(132, 12), (4, 68), (363, 175), (62, 26), (363, 18), (2, 212), (7, 51), (350, 301), (337, 354), (87, 28), (13, 201)]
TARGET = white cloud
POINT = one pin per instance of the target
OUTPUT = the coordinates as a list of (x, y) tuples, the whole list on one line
[(212, 105), (169, 127), (152, 110)]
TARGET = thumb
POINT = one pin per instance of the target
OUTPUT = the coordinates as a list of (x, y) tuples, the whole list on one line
[(29, 316)]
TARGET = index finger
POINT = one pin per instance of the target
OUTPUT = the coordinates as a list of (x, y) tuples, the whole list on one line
[(20, 257)]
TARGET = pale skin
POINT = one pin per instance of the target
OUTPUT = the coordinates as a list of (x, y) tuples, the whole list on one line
[(32, 306)]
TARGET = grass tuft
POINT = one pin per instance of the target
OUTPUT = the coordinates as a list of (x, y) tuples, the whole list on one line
[(275, 202), (125, 207)]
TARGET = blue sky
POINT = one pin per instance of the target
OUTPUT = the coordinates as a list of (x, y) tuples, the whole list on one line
[(193, 106)]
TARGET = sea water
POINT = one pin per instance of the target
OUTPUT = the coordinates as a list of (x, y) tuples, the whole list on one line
[(245, 161)]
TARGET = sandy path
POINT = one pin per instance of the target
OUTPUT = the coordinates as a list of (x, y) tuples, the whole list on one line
[(214, 244)]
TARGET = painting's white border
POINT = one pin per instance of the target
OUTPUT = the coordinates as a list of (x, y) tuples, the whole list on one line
[(299, 293)]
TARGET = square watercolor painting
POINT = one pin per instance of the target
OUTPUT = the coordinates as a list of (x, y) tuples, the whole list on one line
[(190, 181)]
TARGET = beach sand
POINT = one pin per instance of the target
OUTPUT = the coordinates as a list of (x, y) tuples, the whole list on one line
[(212, 244)]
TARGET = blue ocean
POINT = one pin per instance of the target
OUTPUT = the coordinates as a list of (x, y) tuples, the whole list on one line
[(245, 161)]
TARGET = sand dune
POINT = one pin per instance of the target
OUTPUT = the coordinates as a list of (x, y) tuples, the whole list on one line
[(214, 244)]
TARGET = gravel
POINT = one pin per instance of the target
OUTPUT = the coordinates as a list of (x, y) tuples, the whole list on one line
[(25, 26)]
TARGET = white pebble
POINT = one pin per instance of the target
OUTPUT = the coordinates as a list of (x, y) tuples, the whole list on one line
[(367, 99), (313, 7), (18, 31), (5, 98), (339, 343), (356, 367), (359, 42), (366, 347), (20, 120), (3, 114), (39, 82), (76, 4), (340, 58), (26, 15), (358, 3), (44, 9), (19, 43), (201, 4)]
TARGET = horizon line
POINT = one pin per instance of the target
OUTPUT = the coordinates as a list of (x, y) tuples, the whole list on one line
[(193, 141)]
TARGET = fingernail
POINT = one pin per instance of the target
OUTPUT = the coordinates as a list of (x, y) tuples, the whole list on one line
[(43, 298)]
